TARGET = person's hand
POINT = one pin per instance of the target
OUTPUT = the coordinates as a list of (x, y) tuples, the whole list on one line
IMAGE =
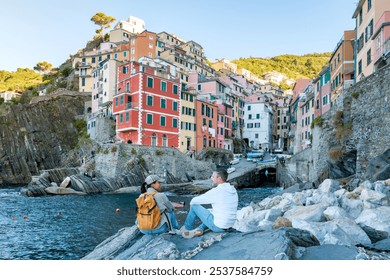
[(178, 204)]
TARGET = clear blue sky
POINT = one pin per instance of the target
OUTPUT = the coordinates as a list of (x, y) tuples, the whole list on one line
[(47, 30)]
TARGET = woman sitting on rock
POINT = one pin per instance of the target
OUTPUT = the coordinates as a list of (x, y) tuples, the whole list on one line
[(168, 221)]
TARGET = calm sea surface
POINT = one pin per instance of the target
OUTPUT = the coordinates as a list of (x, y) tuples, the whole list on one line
[(31, 229)]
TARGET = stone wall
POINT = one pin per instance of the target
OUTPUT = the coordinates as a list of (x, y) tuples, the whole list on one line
[(370, 116), (116, 160)]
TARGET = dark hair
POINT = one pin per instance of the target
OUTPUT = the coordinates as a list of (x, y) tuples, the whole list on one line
[(222, 173), (144, 187)]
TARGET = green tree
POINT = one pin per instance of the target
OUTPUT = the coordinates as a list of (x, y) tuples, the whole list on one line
[(43, 67), (20, 80), (309, 63), (104, 21), (293, 66)]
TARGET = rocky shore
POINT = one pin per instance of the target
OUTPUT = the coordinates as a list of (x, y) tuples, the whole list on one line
[(301, 223), (123, 168)]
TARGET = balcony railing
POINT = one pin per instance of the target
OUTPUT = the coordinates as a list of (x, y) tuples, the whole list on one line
[(84, 65), (227, 102), (382, 50), (132, 105), (348, 83)]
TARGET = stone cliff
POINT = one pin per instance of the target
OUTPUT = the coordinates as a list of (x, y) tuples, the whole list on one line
[(39, 135)]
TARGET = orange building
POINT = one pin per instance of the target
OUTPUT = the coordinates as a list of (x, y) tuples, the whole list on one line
[(147, 106), (138, 45), (342, 64), (206, 120)]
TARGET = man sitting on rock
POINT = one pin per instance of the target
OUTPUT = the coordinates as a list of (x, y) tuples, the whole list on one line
[(224, 201)]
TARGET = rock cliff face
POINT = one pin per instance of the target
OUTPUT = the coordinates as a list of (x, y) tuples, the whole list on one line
[(38, 136)]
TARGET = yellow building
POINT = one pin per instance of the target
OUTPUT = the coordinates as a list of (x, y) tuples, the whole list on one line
[(187, 121)]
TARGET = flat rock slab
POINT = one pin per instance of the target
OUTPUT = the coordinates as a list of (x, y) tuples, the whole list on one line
[(278, 244), (329, 252)]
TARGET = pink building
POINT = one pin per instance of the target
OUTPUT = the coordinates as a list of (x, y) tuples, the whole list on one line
[(322, 87)]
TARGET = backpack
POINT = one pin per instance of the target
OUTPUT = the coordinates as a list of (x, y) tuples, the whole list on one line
[(148, 213)]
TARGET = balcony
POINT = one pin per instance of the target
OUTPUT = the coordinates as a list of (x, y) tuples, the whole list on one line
[(227, 102), (291, 134), (349, 68), (84, 73), (132, 106), (84, 65), (382, 51), (104, 103), (348, 83)]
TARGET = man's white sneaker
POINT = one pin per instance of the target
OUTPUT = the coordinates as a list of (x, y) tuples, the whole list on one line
[(192, 233)]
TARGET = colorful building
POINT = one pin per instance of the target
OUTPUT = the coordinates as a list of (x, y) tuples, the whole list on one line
[(103, 90), (124, 29), (293, 131), (138, 45), (381, 39), (147, 106), (206, 121), (367, 14), (321, 86), (342, 65), (188, 121), (258, 120), (305, 118), (87, 61)]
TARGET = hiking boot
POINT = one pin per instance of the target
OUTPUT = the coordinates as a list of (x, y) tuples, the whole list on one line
[(192, 233)]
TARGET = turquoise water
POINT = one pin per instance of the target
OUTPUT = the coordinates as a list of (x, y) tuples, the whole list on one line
[(31, 229)]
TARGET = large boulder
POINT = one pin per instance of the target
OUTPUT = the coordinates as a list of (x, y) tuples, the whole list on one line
[(36, 187), (338, 232), (310, 213), (376, 218), (62, 191)]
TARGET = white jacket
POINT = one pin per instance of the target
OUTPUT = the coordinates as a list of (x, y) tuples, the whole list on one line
[(224, 200)]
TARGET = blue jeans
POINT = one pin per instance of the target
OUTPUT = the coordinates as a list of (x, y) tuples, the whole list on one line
[(204, 215), (164, 227)]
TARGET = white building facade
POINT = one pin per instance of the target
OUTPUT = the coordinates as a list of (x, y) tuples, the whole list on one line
[(103, 90), (258, 125)]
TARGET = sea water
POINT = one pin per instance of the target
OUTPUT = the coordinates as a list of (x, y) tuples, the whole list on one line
[(68, 227)]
